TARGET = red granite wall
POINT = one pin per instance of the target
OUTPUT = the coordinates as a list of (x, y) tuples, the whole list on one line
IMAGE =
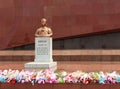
[(20, 18), (77, 17)]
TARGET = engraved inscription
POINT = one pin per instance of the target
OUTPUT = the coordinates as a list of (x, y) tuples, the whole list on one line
[(42, 47), (42, 51)]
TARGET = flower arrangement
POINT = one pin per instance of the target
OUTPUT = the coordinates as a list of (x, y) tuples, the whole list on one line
[(49, 76)]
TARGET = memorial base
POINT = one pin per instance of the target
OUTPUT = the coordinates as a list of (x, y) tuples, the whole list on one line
[(41, 65)]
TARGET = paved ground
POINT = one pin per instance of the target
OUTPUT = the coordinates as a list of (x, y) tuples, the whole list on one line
[(69, 66)]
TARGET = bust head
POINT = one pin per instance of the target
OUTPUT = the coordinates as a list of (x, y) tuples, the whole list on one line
[(43, 21)]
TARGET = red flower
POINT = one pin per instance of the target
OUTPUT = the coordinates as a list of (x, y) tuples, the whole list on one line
[(12, 81)]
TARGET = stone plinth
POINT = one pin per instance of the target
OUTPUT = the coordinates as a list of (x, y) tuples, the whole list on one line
[(43, 55)]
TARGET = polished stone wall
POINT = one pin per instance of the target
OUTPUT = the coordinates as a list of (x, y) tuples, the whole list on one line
[(19, 19), (99, 41)]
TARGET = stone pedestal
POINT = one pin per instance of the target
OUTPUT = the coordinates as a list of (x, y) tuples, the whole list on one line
[(43, 55)]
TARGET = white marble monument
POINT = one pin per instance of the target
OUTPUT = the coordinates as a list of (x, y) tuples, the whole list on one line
[(43, 55)]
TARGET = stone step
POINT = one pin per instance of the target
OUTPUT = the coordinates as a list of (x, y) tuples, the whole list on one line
[(64, 55), (69, 66)]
